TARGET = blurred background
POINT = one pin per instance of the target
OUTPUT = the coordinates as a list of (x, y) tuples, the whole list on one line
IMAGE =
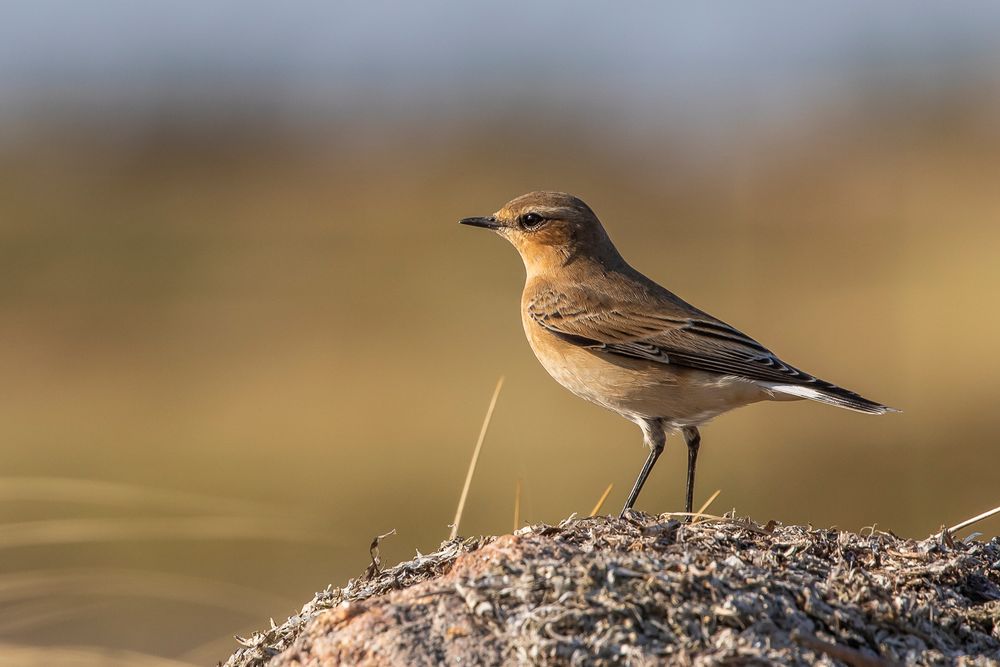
[(241, 332)]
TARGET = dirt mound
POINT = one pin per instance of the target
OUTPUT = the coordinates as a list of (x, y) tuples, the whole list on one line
[(649, 590)]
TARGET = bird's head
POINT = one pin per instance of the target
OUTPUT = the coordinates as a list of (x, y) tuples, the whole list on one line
[(550, 230)]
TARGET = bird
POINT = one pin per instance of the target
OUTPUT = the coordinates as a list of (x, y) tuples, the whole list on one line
[(616, 338)]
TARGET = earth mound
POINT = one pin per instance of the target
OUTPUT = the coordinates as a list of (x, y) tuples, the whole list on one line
[(649, 590)]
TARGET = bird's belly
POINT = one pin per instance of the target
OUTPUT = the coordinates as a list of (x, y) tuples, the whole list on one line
[(640, 389)]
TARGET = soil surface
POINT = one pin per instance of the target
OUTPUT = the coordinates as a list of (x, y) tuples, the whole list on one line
[(648, 590)]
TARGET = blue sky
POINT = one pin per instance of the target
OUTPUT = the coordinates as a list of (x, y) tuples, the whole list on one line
[(434, 54)]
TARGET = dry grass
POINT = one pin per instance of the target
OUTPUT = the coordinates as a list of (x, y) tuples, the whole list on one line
[(33, 600), (974, 520), (600, 501), (116, 494), (517, 505), (12, 655), (213, 528), (475, 459), (706, 505), (104, 583), (33, 614)]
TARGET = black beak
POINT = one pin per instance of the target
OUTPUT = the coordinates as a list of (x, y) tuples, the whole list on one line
[(488, 223)]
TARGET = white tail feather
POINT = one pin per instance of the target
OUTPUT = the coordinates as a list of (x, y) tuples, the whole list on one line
[(848, 402)]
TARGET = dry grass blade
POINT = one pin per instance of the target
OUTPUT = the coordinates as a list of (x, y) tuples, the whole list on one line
[(46, 612), (212, 528), (600, 501), (517, 505), (705, 505), (976, 519), (116, 494), (57, 584), (475, 460), (695, 515), (12, 655), (702, 517)]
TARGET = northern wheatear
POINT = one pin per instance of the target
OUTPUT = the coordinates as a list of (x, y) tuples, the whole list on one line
[(614, 337)]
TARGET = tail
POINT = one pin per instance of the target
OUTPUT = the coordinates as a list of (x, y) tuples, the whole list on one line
[(831, 394)]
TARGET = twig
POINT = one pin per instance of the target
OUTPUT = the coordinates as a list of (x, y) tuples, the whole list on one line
[(475, 460), (517, 505), (600, 501), (968, 522), (851, 656), (704, 518), (376, 565)]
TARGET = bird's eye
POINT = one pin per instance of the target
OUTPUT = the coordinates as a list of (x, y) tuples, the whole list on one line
[(531, 220)]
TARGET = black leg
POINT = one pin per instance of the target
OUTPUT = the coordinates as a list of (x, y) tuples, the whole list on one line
[(655, 438), (693, 439)]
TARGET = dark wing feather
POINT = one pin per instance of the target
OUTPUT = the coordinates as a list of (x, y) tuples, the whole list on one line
[(695, 341), (666, 330), (673, 332)]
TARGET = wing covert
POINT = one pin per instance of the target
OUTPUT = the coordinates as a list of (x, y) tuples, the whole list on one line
[(644, 331)]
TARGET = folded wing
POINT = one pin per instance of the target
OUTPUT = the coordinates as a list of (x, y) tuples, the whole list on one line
[(674, 333)]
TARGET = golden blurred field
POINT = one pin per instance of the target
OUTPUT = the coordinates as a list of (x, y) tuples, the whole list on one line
[(288, 327)]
